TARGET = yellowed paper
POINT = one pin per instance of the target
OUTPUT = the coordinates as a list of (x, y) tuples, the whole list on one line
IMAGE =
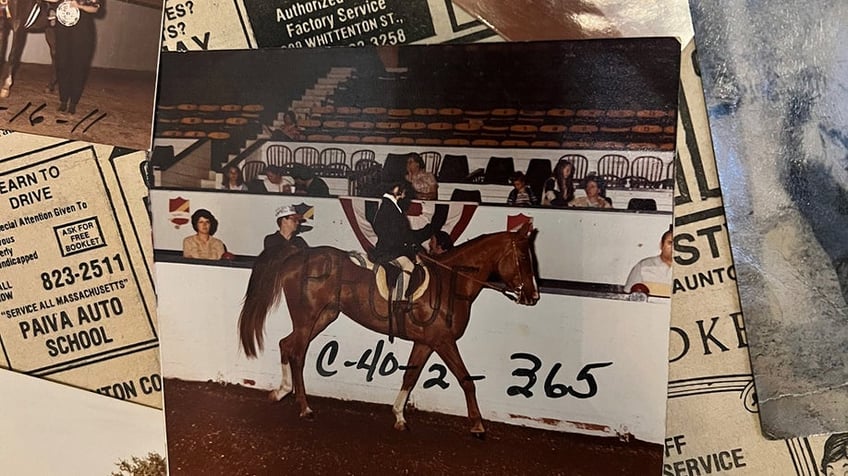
[(76, 294)]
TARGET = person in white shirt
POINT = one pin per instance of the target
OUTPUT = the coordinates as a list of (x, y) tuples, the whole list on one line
[(654, 272)]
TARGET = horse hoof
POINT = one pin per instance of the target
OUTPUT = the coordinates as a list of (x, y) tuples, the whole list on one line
[(307, 415), (401, 426), (479, 435), (4, 93)]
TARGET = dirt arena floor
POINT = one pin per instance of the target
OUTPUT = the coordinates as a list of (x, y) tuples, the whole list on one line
[(232, 430), (125, 97)]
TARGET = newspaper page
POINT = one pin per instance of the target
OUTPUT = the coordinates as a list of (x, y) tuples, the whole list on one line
[(77, 300), (232, 24)]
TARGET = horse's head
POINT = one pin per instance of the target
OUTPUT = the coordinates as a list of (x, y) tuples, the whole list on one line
[(516, 267)]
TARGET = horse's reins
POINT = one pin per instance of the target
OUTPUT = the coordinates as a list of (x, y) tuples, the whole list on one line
[(510, 293)]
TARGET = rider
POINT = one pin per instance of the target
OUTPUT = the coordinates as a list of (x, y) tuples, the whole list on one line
[(397, 242)]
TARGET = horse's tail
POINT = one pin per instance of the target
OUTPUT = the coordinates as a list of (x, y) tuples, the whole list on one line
[(264, 290)]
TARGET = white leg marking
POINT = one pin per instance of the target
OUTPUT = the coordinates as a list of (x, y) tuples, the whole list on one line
[(397, 409), (285, 384)]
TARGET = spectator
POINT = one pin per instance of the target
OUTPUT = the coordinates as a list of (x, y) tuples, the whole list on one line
[(306, 183), (559, 189), (424, 183), (654, 272), (274, 182), (233, 179), (288, 226), (288, 131), (593, 198), (439, 243), (521, 195), (202, 245)]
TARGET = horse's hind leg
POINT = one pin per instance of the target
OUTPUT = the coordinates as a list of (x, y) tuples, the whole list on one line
[(286, 383), (417, 359), (450, 354), (302, 335)]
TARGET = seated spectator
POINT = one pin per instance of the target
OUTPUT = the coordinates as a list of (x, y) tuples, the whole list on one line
[(202, 245), (521, 195), (306, 183), (273, 182), (654, 272), (424, 183), (593, 198), (233, 179), (559, 189), (288, 226), (288, 131), (439, 243)]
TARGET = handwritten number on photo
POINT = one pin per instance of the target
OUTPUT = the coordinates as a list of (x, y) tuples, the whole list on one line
[(35, 117)]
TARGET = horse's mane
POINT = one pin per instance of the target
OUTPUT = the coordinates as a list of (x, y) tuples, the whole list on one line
[(462, 248)]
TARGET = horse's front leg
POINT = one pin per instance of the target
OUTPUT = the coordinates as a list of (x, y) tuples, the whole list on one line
[(417, 359), (450, 354)]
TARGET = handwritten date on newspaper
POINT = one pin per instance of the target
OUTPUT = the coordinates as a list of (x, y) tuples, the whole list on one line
[(75, 300)]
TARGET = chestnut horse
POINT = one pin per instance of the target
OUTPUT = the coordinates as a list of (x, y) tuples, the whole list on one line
[(321, 282), (14, 16)]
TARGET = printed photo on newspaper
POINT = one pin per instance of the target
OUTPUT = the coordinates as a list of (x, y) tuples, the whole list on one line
[(76, 293), (407, 189), (83, 69)]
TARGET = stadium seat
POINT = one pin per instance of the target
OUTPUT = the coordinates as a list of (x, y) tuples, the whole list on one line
[(538, 171), (432, 161), (498, 170), (394, 168), (647, 167), (581, 165), (277, 154), (454, 168), (613, 165), (308, 156), (642, 204), (460, 195), (251, 169)]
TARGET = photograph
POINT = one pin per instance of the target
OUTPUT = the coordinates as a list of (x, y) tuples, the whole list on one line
[(460, 254), (80, 69)]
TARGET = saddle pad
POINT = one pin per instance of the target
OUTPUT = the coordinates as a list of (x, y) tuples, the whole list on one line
[(380, 275)]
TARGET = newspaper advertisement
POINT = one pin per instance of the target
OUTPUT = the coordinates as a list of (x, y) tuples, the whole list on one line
[(77, 303), (230, 24)]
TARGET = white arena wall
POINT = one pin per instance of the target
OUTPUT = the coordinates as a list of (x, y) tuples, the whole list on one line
[(584, 245), (198, 332)]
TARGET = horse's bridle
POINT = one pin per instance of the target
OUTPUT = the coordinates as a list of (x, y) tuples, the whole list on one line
[(512, 293)]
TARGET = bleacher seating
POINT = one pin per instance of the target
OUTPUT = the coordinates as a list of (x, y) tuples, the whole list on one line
[(454, 168)]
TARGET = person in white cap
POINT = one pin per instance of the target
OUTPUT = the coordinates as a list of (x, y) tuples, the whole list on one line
[(288, 223)]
